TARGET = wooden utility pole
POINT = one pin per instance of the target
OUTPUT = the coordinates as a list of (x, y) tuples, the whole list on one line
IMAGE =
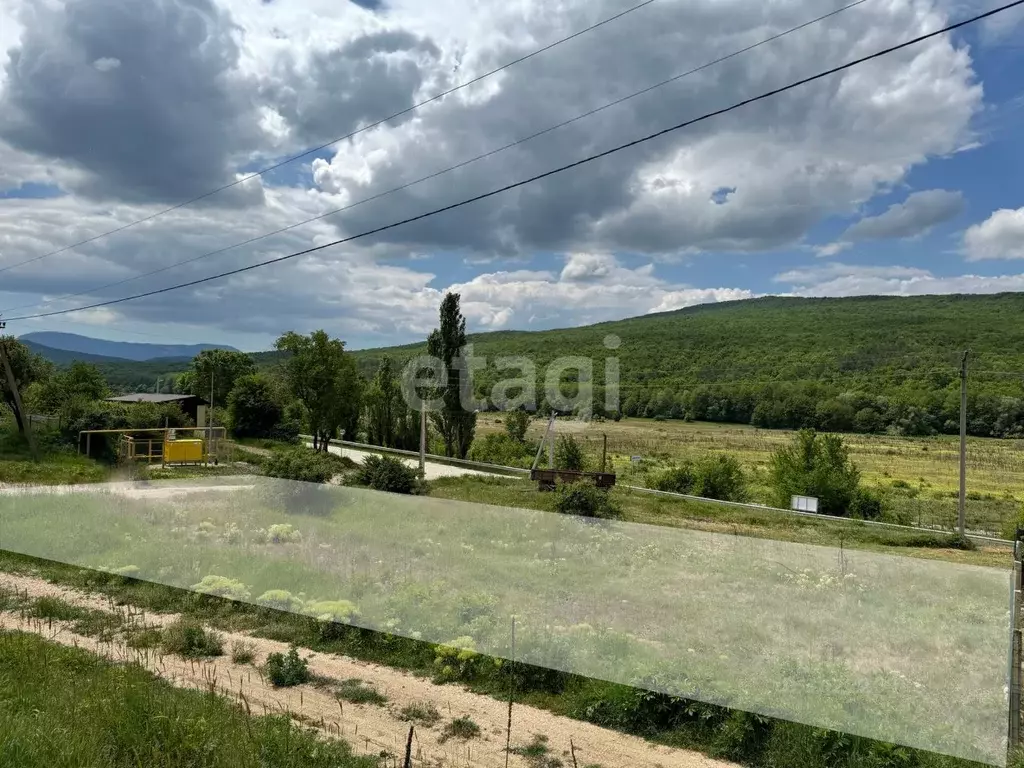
[(962, 505), (26, 422)]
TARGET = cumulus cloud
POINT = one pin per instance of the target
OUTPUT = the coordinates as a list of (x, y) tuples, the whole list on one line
[(850, 280), (1000, 236), (916, 215)]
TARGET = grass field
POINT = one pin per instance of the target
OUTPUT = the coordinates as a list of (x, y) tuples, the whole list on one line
[(919, 476), (64, 708)]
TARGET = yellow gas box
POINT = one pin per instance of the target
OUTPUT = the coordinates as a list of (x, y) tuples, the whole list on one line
[(183, 451)]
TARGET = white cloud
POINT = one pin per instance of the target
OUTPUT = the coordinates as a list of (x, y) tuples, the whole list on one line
[(106, 64), (915, 216), (849, 280), (1000, 236)]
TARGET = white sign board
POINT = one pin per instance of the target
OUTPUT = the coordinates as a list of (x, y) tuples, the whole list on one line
[(804, 504)]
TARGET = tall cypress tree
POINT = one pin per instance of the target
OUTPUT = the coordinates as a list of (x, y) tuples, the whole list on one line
[(455, 424)]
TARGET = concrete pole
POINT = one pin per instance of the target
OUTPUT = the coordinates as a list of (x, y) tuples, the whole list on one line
[(962, 505), (423, 439)]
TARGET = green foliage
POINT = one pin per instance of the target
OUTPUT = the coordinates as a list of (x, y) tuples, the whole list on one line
[(516, 424), (865, 504), (714, 476), (499, 448), (422, 713), (283, 533), (355, 691), (222, 586), (188, 638), (243, 652), (27, 368), (586, 500), (279, 600), (386, 473), (815, 465), (75, 709), (569, 454), (455, 424), (289, 669), (56, 609), (389, 421), (255, 409), (302, 464), (69, 390), (460, 728), (326, 381), (220, 367)]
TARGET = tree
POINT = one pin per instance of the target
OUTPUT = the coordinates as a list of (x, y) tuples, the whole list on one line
[(569, 454), (27, 368), (455, 424), (78, 383), (223, 365), (389, 421), (516, 424), (815, 465), (254, 407), (325, 380)]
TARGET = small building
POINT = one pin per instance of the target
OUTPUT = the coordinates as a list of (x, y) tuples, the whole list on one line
[(188, 403)]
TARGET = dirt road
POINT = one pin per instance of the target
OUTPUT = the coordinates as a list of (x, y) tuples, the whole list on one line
[(370, 729)]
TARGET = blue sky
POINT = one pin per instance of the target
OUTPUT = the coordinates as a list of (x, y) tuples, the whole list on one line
[(902, 177)]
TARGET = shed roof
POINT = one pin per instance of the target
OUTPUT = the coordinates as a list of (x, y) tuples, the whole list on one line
[(150, 397)]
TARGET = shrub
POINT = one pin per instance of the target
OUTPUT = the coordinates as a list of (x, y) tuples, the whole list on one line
[(586, 500), (499, 448), (254, 407), (720, 476), (516, 424), (460, 728), (425, 714), (57, 609), (304, 465), (569, 454), (866, 505), (187, 637), (280, 600), (287, 669), (676, 479), (356, 692), (814, 465), (243, 652), (283, 533), (386, 473), (221, 586), (331, 610)]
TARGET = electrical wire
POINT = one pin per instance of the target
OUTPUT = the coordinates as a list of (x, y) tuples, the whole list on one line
[(449, 169), (591, 158), (331, 143)]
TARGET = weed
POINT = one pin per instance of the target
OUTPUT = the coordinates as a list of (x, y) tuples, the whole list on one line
[(98, 624), (355, 691), (287, 669), (57, 609), (188, 638), (460, 728), (243, 652), (146, 637), (536, 753), (422, 713)]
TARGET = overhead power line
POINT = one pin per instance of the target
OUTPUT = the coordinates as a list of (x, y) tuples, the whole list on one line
[(449, 169), (552, 172), (331, 143)]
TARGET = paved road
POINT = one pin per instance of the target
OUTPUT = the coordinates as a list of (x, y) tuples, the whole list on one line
[(433, 469)]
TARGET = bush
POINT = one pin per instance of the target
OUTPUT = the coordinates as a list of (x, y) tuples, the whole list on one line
[(304, 465), (814, 465), (426, 714), (280, 600), (460, 728), (716, 476), (866, 505), (188, 638), (586, 500), (569, 454), (287, 669), (516, 424), (254, 408), (221, 586), (386, 473), (243, 652), (499, 448), (282, 533)]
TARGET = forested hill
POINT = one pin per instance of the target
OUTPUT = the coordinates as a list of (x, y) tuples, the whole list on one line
[(863, 363)]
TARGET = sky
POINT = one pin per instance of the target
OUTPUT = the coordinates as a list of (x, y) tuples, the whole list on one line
[(901, 176)]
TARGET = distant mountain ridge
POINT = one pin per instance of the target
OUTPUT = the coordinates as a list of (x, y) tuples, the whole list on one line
[(88, 349)]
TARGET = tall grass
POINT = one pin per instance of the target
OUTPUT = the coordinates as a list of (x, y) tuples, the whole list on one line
[(74, 709)]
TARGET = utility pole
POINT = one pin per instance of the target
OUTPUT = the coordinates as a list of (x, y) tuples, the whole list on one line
[(423, 439), (26, 422), (209, 440), (158, 383), (962, 505)]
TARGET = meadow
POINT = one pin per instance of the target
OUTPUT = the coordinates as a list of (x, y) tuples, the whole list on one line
[(918, 477), (835, 638)]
